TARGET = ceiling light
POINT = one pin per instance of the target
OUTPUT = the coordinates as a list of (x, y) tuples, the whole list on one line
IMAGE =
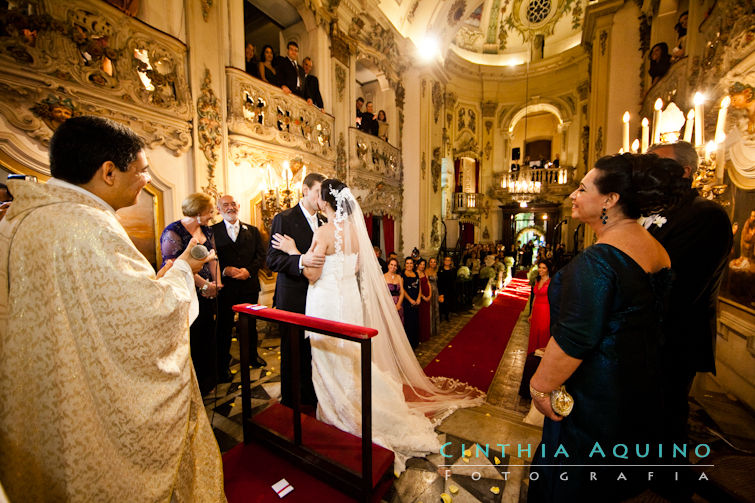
[(429, 47)]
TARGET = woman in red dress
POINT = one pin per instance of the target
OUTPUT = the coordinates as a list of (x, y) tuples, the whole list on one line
[(540, 319), (424, 307)]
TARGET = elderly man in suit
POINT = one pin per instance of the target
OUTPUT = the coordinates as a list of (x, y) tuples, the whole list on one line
[(290, 73), (298, 223), (311, 85), (241, 254), (697, 236)]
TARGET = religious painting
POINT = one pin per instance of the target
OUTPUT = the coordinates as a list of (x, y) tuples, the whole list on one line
[(144, 223), (739, 279), (739, 145)]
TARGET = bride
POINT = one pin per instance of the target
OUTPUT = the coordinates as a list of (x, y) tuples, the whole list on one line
[(350, 288)]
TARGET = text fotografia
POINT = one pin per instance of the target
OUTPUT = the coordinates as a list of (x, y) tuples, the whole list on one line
[(598, 451), (619, 462)]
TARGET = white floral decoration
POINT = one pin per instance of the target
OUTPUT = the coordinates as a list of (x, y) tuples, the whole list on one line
[(657, 219)]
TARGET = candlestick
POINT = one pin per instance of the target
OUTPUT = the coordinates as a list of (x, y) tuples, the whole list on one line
[(698, 100), (645, 134), (625, 132), (657, 121), (721, 123), (689, 126), (635, 145)]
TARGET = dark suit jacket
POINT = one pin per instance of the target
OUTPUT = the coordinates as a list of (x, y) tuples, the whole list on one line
[(697, 236), (369, 123), (291, 285), (248, 252), (312, 90), (286, 74)]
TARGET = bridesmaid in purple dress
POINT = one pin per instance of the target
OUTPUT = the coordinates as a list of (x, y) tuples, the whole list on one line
[(395, 286)]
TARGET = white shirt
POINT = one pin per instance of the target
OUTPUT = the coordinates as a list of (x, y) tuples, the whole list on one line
[(232, 229), (311, 219)]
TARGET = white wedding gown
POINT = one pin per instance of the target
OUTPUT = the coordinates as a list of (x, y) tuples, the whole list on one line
[(336, 371)]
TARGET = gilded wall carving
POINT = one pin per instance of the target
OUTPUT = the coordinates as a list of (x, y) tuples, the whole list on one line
[(92, 58), (435, 169), (209, 130), (340, 81), (437, 100)]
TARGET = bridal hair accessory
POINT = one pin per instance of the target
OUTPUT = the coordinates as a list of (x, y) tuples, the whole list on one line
[(342, 212)]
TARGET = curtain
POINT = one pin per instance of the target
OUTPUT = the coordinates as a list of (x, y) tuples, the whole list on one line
[(368, 224), (388, 234), (467, 233)]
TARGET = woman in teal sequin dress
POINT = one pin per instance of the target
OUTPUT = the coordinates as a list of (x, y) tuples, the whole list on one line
[(606, 310)]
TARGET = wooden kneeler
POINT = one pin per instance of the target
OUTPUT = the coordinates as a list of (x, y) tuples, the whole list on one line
[(351, 464)]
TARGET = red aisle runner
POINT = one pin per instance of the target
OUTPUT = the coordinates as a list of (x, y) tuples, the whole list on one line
[(474, 354)]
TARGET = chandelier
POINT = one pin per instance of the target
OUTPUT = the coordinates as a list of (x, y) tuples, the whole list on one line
[(524, 191)]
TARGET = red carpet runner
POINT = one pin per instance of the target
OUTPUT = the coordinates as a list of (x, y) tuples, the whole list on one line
[(474, 354)]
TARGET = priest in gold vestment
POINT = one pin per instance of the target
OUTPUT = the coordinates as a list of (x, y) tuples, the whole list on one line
[(98, 398)]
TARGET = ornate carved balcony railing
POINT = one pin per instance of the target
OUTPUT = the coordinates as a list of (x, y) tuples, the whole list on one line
[(546, 176), (375, 173), (468, 202), (371, 155), (262, 111)]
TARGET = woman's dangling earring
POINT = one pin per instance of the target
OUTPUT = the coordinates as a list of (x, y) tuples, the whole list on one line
[(603, 217), (199, 219)]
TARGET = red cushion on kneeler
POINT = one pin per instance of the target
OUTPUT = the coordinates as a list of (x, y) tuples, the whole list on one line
[(250, 470), (327, 440)]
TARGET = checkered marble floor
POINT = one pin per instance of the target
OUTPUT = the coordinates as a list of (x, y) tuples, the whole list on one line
[(466, 478)]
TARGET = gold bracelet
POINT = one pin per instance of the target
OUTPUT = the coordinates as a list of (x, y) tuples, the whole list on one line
[(538, 394)]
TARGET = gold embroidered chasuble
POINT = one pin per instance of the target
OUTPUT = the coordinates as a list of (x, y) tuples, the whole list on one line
[(98, 397)]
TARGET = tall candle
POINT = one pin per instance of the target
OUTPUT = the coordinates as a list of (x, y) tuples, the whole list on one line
[(269, 178), (699, 119), (657, 121), (285, 172), (645, 134), (689, 126), (625, 132), (721, 123)]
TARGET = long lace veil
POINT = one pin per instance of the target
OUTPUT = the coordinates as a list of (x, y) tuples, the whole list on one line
[(435, 397)]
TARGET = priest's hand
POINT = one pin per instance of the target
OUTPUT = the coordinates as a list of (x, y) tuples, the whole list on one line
[(164, 269)]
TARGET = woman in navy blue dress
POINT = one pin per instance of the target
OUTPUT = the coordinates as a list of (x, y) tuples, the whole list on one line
[(606, 310), (198, 210), (411, 302)]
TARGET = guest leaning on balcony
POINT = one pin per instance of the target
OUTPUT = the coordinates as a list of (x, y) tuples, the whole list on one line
[(266, 70)]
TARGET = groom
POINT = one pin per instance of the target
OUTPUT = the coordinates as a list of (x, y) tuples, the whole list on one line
[(299, 223)]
